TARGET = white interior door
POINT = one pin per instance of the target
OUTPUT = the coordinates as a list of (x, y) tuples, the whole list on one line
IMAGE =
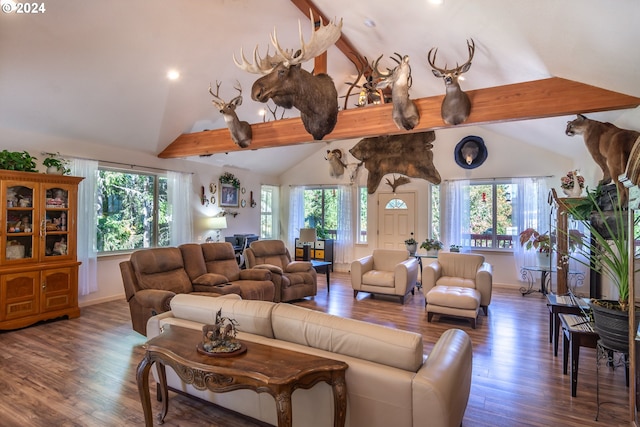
[(396, 219)]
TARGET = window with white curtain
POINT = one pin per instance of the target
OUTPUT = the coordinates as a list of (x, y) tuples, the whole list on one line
[(269, 212), (362, 214)]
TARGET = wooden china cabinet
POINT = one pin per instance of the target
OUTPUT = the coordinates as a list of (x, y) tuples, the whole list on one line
[(38, 264)]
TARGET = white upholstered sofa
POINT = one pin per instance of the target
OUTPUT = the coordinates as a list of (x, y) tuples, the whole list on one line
[(389, 380)]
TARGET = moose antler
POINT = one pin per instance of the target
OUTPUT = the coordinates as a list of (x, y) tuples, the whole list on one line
[(321, 40), (397, 182)]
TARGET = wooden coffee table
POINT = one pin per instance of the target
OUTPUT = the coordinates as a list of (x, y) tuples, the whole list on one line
[(261, 368)]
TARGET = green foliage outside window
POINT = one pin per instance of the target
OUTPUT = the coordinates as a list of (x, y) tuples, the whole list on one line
[(132, 211), (321, 211)]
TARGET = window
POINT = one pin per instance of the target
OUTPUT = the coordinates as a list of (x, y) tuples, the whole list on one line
[(491, 215), (435, 212), (362, 217), (396, 204), (132, 211), (321, 211), (269, 212)]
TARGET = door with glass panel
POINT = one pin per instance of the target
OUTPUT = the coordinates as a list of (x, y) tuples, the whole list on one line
[(396, 219)]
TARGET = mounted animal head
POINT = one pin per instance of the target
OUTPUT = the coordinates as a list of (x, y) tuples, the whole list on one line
[(369, 94), (456, 105), (240, 130), (408, 154), (336, 165), (609, 146), (405, 113), (288, 85)]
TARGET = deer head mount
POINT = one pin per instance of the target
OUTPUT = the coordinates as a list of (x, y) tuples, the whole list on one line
[(288, 85), (405, 113), (240, 130), (369, 94), (397, 182), (456, 105)]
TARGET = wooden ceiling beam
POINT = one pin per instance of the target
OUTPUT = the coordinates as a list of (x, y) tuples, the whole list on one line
[(520, 101)]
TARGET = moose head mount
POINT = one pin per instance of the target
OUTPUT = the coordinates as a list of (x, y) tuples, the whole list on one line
[(405, 113), (240, 130), (288, 85), (456, 105)]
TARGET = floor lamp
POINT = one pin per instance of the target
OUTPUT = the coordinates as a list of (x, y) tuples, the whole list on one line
[(307, 237)]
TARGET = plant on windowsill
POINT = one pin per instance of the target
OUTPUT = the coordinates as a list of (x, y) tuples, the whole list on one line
[(455, 248), (606, 252)]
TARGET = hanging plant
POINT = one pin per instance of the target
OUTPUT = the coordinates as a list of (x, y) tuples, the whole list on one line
[(229, 178)]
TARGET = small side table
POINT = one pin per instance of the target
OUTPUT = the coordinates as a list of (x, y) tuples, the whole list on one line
[(578, 332), (557, 304), (419, 258), (323, 267)]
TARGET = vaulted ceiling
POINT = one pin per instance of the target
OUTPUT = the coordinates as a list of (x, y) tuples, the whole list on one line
[(96, 71)]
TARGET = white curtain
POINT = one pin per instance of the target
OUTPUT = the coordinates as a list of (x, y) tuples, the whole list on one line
[(455, 215), (296, 215), (344, 241), (179, 189), (531, 209), (87, 223)]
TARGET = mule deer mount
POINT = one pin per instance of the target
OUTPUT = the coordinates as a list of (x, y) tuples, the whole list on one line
[(368, 94), (405, 113), (456, 105), (288, 85), (241, 132)]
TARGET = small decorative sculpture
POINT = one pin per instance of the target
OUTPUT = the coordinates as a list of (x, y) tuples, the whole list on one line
[(221, 336)]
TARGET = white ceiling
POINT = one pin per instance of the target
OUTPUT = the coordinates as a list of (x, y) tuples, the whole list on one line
[(96, 71)]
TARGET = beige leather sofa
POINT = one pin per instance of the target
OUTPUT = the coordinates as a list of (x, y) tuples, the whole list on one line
[(293, 279), (385, 271), (457, 285), (390, 382)]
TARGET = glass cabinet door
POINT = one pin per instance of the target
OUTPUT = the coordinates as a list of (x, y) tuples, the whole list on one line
[(55, 222), (20, 242)]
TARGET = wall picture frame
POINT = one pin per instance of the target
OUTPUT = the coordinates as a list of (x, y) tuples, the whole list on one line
[(229, 196)]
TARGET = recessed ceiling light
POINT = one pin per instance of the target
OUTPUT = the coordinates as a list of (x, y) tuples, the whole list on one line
[(173, 75), (436, 2)]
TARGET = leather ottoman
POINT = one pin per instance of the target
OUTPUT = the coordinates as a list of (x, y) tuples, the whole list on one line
[(453, 301)]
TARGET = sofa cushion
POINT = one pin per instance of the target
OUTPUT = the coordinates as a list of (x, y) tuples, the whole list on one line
[(460, 265), (379, 278), (220, 258), (454, 296), (252, 316), (376, 343), (161, 268), (387, 259), (460, 282)]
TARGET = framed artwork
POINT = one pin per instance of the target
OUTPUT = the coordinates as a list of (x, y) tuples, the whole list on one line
[(228, 196)]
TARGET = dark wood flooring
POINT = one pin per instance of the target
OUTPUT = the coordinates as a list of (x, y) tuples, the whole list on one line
[(81, 372)]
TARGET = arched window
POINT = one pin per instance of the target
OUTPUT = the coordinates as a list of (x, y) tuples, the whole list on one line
[(396, 204)]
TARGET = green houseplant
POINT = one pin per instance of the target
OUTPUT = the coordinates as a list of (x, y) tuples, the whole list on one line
[(17, 161), (411, 244), (431, 245), (56, 164), (607, 252)]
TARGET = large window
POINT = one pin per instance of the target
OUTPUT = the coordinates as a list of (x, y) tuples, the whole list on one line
[(362, 215), (269, 212), (435, 212), (321, 211), (491, 215), (132, 212)]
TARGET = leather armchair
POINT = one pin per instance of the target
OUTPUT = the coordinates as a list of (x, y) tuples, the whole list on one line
[(386, 271), (457, 284), (293, 279)]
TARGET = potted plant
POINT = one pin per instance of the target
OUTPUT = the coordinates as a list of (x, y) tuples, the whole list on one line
[(541, 242), (432, 246), (455, 248), (607, 252), (17, 161), (412, 245), (56, 165)]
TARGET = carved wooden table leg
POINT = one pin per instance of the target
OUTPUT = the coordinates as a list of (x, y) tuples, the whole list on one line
[(162, 374), (339, 387), (283, 407), (142, 378)]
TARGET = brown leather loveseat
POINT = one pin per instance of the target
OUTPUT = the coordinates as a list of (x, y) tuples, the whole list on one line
[(152, 277)]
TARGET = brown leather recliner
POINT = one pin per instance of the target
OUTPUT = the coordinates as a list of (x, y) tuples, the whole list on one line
[(214, 264), (293, 279)]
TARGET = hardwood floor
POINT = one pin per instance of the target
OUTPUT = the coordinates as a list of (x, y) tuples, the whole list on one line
[(81, 372)]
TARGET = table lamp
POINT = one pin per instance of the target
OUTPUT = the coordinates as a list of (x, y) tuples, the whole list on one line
[(218, 223), (307, 236)]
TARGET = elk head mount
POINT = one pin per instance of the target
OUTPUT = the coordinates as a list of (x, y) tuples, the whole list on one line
[(405, 113), (288, 85), (456, 105), (240, 130)]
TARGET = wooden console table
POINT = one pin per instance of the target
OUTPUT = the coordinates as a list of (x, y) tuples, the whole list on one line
[(261, 368)]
